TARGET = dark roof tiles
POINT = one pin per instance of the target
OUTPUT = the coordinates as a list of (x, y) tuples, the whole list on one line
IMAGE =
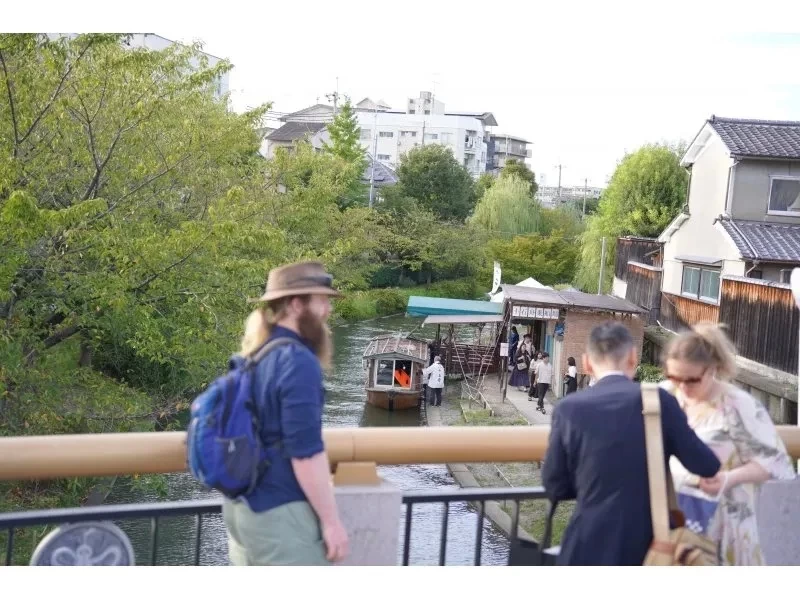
[(759, 138), (764, 240)]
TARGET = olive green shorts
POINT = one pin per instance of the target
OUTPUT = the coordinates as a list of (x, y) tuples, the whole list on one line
[(286, 535)]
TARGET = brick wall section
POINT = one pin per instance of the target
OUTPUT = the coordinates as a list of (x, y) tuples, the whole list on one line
[(578, 327)]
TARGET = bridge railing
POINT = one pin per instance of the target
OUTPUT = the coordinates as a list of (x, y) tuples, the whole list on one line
[(353, 453), (201, 510), (97, 455)]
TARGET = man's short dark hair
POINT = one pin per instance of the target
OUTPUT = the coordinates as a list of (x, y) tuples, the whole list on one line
[(610, 342)]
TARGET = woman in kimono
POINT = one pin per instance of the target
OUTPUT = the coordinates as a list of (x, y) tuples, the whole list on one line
[(520, 376), (699, 365), (513, 341)]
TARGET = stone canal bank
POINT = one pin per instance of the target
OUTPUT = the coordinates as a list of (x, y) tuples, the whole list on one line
[(516, 410)]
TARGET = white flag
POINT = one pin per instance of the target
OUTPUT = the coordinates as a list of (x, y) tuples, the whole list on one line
[(496, 279)]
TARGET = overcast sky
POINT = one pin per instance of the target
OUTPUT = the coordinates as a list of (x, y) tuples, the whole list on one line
[(576, 80)]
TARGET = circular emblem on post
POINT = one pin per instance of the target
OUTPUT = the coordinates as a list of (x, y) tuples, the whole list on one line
[(94, 543)]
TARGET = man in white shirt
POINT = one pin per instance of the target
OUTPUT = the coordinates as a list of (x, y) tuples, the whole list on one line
[(435, 375), (544, 378)]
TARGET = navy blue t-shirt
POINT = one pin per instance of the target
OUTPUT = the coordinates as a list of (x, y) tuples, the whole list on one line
[(290, 396)]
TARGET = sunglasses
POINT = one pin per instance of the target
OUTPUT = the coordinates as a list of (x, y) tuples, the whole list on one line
[(688, 381)]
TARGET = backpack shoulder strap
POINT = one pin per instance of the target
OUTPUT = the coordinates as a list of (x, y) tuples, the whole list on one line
[(656, 472), (268, 348)]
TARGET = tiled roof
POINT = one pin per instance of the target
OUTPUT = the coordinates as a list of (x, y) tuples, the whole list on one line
[(569, 299), (764, 240), (759, 138), (295, 130), (383, 174)]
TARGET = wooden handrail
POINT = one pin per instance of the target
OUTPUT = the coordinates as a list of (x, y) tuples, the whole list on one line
[(97, 455)]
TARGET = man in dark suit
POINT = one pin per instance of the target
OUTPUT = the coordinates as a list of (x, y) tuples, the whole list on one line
[(597, 455)]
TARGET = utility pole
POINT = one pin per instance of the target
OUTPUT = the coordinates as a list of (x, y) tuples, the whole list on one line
[(585, 193), (602, 268), (559, 182), (374, 158), (334, 97)]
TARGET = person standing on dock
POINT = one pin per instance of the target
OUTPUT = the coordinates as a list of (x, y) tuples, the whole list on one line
[(435, 375), (291, 517), (597, 454), (544, 378)]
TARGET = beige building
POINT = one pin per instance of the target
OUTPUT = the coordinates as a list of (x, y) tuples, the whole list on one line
[(742, 217)]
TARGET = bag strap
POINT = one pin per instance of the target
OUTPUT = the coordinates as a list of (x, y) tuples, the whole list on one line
[(267, 348), (251, 361), (656, 472)]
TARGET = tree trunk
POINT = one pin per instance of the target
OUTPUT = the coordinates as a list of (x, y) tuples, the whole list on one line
[(87, 351)]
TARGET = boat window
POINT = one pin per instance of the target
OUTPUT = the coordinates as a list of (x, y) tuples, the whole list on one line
[(394, 373), (402, 374), (385, 372)]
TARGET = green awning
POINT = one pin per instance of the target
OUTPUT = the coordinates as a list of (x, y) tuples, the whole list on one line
[(438, 306)]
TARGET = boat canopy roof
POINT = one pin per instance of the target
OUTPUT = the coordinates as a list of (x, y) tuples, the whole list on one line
[(467, 320), (439, 306), (400, 347)]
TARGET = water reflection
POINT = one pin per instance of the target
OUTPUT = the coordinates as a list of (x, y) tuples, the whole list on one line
[(345, 407)]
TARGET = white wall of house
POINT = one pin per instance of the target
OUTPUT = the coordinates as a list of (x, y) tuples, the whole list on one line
[(775, 272), (399, 133), (619, 288), (753, 183), (317, 140), (698, 236)]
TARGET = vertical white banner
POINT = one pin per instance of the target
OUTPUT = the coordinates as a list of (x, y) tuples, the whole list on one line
[(496, 278)]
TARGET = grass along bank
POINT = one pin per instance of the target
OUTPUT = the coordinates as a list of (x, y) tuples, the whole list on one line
[(533, 514)]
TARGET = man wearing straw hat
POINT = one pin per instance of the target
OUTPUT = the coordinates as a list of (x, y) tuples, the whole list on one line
[(291, 517)]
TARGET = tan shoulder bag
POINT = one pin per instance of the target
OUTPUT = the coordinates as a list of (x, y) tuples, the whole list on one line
[(680, 546)]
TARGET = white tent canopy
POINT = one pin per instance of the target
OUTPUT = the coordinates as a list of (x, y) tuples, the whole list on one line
[(528, 282)]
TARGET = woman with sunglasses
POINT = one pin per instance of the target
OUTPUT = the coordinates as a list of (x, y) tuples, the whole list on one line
[(699, 367)]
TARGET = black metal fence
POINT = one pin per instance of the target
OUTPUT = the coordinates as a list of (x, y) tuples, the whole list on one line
[(521, 552)]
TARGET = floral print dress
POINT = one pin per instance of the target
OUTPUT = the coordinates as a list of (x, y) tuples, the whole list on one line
[(738, 428)]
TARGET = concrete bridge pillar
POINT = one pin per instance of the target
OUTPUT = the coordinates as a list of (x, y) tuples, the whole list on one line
[(778, 516), (370, 511)]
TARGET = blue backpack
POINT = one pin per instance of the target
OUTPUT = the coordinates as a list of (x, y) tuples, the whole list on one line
[(223, 444)]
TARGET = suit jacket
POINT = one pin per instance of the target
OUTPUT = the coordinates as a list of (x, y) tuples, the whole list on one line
[(597, 456)]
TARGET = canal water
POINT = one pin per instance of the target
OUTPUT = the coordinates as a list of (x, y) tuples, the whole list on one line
[(345, 407)]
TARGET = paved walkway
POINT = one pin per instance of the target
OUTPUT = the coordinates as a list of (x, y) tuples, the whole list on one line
[(518, 399)]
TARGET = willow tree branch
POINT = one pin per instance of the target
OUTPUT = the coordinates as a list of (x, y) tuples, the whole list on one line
[(11, 104)]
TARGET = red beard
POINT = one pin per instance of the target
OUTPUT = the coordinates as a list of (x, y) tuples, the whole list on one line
[(318, 335)]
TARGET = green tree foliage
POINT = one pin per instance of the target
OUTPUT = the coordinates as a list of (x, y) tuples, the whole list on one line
[(566, 218), (646, 191), (484, 183), (508, 208), (137, 229), (420, 248), (513, 167), (136, 218), (433, 177), (345, 144), (345, 136), (550, 259)]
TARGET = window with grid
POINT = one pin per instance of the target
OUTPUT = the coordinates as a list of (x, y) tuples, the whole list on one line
[(701, 283)]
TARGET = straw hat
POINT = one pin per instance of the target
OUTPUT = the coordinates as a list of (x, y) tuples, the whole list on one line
[(304, 278)]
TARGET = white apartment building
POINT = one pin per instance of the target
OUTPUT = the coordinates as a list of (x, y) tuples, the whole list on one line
[(388, 134), (151, 41)]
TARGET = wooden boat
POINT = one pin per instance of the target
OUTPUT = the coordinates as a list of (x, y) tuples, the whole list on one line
[(393, 366)]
